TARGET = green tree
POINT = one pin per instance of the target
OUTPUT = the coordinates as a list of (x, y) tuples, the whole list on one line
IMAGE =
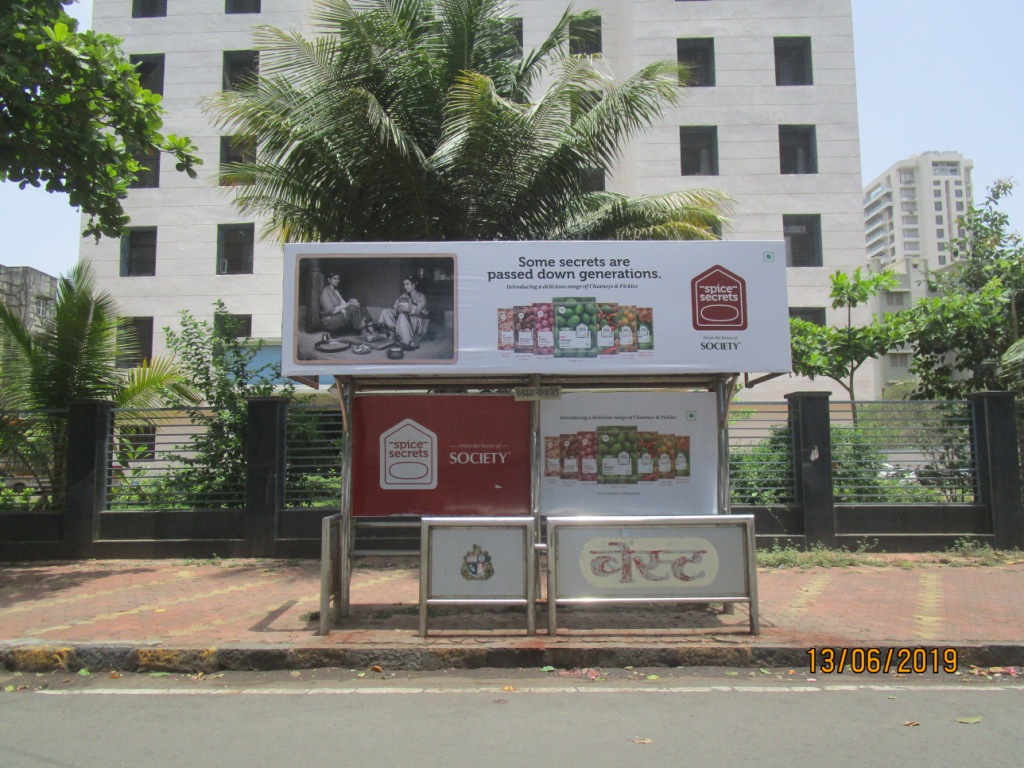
[(74, 357), (221, 367), (417, 120), (960, 335), (73, 117), (837, 352)]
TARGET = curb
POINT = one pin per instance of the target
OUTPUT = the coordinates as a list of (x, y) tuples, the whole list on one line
[(17, 657)]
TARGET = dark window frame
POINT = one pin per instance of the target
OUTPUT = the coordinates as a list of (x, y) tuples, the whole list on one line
[(230, 262), (586, 37), (138, 255), (798, 149), (149, 9), (141, 330), (239, 68), (148, 177), (698, 150), (794, 61), (236, 149), (243, 6), (151, 68), (699, 54), (814, 315), (807, 251)]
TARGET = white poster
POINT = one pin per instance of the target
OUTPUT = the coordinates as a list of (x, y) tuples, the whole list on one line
[(635, 453), (586, 308), (659, 559), (478, 562)]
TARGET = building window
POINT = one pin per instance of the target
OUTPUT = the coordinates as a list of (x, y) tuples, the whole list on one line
[(911, 233), (798, 151), (959, 206), (235, 248), (144, 9), (594, 180), (235, 149), (138, 252), (515, 31), (233, 326), (148, 176), (150, 67), (793, 61), (698, 53), (699, 150), (938, 193), (940, 234), (240, 68), (135, 342), (942, 260), (242, 6), (899, 359), (939, 219), (814, 315), (803, 239), (941, 247), (895, 298), (585, 37), (958, 193), (906, 177), (938, 206)]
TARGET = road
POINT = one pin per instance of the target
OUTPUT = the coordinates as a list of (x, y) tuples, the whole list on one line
[(505, 718)]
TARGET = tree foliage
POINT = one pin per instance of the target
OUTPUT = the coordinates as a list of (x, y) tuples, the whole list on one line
[(418, 120), (73, 117), (221, 367), (74, 357), (960, 335), (837, 352)]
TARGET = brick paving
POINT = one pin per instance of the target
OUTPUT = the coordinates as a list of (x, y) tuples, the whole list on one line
[(184, 607)]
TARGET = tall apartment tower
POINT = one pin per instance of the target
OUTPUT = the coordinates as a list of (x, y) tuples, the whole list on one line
[(771, 120), (911, 212)]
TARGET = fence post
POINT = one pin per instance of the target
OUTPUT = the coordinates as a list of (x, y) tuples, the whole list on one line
[(994, 433), (809, 424), (266, 430), (86, 473)]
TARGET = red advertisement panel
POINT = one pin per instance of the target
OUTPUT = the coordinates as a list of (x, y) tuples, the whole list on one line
[(445, 455)]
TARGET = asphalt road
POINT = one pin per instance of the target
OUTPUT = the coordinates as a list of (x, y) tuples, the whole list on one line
[(502, 718)]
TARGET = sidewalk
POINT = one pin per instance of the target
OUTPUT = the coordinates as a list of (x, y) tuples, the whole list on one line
[(180, 615)]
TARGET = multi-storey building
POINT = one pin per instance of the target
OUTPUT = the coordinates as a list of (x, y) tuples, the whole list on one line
[(911, 213), (29, 294), (771, 119)]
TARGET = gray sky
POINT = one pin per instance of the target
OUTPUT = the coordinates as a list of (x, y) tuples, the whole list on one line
[(931, 75)]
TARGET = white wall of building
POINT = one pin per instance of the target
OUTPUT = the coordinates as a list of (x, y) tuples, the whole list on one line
[(745, 104)]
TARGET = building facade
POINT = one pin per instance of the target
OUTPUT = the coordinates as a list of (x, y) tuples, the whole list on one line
[(911, 213), (29, 294), (771, 120)]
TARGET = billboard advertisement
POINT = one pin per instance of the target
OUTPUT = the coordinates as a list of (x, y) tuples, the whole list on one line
[(443, 455), (510, 308), (622, 453)]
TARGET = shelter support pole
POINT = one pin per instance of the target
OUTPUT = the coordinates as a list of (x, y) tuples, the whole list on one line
[(345, 386)]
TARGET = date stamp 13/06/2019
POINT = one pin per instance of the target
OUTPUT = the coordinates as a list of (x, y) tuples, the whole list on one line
[(896, 659)]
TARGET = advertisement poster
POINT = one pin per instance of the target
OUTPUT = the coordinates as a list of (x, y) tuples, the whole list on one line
[(586, 308), (441, 455), (652, 560), (635, 453)]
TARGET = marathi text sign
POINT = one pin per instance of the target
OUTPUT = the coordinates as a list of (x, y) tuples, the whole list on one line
[(561, 308)]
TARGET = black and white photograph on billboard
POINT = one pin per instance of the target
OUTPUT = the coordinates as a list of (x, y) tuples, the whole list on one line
[(376, 309)]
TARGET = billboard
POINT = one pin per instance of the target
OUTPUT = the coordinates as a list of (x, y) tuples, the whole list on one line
[(629, 453), (443, 455), (511, 308)]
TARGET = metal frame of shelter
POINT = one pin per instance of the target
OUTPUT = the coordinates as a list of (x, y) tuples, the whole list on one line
[(337, 546)]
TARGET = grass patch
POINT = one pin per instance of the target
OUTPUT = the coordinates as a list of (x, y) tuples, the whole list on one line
[(817, 556)]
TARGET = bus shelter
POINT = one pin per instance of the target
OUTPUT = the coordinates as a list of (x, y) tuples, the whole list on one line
[(492, 388)]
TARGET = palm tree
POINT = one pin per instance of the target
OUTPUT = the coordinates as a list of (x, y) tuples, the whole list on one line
[(74, 357), (412, 120)]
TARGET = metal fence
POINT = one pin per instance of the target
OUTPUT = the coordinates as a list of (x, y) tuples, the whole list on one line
[(902, 452), (174, 459), (31, 478), (760, 454), (313, 457)]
